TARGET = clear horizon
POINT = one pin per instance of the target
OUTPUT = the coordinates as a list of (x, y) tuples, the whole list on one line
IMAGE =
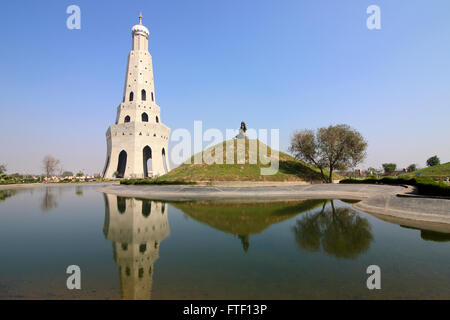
[(289, 66)]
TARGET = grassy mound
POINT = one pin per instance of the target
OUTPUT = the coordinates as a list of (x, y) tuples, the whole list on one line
[(440, 172), (290, 169)]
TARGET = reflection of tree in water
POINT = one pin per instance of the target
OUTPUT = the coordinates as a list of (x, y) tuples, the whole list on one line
[(340, 232), (48, 200), (79, 191), (4, 194)]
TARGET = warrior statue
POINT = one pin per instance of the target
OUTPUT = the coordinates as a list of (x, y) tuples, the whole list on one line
[(242, 131)]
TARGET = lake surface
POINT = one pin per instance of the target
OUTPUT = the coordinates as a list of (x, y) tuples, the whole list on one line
[(131, 248)]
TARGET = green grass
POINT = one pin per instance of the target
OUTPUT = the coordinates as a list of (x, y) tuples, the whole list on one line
[(15, 179), (425, 186), (290, 169), (440, 172)]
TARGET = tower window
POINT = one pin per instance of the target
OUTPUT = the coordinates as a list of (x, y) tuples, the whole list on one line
[(131, 96), (143, 95), (127, 119), (153, 99), (157, 119), (144, 117)]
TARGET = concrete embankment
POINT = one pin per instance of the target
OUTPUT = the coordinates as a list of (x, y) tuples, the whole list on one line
[(249, 192), (417, 209)]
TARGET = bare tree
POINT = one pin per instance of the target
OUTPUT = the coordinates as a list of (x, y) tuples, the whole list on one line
[(332, 148), (50, 165), (2, 168)]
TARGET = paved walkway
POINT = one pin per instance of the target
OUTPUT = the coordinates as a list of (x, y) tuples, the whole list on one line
[(288, 192)]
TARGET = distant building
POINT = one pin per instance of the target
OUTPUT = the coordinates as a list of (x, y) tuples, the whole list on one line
[(354, 173), (395, 173)]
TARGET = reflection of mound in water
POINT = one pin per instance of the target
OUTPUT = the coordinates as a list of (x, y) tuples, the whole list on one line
[(136, 228), (244, 219), (340, 232)]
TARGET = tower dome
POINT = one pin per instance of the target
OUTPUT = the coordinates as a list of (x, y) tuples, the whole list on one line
[(140, 28)]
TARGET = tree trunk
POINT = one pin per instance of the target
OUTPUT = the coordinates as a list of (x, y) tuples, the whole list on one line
[(323, 175), (330, 180)]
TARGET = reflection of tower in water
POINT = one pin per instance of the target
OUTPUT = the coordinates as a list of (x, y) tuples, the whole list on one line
[(136, 227)]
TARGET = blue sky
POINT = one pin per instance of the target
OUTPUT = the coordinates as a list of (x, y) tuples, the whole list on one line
[(287, 64)]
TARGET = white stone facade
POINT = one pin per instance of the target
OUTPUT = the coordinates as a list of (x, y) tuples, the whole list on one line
[(137, 144)]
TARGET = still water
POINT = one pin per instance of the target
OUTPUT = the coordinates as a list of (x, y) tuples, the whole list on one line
[(131, 248)]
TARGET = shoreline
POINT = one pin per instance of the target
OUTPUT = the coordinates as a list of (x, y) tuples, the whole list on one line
[(383, 201), (54, 184)]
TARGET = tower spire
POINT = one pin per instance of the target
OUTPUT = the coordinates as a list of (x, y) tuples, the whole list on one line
[(140, 17)]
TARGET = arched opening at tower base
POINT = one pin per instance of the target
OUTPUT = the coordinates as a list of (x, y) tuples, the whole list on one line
[(164, 160), (121, 166), (147, 157)]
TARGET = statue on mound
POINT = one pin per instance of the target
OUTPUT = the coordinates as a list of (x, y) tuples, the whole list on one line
[(242, 131)]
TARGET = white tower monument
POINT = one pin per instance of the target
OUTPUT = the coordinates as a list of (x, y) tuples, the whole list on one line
[(137, 143)]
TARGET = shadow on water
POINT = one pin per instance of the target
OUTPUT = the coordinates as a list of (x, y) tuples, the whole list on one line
[(340, 232), (135, 227)]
